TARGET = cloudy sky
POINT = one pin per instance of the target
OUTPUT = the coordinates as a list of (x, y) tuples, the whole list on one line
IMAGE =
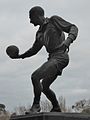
[(15, 84)]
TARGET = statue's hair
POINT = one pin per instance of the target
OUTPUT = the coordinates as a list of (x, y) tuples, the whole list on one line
[(36, 10)]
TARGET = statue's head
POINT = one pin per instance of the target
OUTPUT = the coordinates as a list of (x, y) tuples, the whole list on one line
[(35, 13), (37, 10)]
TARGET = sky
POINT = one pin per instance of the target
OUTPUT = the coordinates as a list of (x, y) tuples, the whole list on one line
[(15, 29)]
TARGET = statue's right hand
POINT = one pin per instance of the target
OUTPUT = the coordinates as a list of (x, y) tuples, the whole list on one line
[(21, 56)]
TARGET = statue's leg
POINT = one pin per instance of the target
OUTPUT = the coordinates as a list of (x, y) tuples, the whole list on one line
[(36, 86), (51, 74), (49, 93), (47, 73), (35, 77)]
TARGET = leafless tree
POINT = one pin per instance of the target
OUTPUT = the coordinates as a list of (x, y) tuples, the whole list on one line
[(82, 106)]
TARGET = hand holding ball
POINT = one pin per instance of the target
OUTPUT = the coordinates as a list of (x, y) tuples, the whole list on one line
[(12, 51)]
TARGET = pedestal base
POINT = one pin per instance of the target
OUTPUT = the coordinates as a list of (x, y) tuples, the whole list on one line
[(52, 116)]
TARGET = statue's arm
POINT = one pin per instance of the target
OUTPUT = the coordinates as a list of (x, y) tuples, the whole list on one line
[(67, 27), (32, 51)]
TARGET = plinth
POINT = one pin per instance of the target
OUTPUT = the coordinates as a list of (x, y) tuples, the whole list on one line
[(52, 116)]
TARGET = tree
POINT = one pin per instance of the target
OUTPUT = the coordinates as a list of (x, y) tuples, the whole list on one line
[(62, 103), (20, 110), (82, 106), (4, 115), (45, 106)]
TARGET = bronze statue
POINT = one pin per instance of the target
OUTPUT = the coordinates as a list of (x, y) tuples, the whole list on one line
[(51, 35)]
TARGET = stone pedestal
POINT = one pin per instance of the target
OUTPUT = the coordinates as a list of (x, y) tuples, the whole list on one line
[(52, 116)]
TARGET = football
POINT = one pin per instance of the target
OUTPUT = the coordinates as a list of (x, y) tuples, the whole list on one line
[(12, 51)]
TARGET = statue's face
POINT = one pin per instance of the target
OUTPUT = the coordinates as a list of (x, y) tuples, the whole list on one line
[(34, 19)]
